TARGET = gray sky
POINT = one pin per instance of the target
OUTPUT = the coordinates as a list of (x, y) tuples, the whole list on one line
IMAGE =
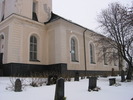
[(84, 12)]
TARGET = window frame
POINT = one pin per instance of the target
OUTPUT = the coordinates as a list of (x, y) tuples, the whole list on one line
[(105, 56), (92, 53), (74, 50), (33, 48)]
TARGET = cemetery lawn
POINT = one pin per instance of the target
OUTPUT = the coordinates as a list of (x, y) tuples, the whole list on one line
[(74, 90)]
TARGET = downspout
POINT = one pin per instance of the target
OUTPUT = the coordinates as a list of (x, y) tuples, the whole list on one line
[(84, 51)]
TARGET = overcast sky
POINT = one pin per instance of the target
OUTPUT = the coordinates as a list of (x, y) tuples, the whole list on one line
[(84, 12)]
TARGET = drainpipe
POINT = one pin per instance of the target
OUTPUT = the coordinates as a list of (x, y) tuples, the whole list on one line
[(84, 50)]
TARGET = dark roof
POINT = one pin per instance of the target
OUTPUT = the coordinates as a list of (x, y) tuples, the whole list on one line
[(54, 17)]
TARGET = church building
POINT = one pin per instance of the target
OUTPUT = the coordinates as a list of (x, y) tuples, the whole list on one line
[(33, 39)]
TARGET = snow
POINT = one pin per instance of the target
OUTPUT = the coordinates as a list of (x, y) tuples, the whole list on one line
[(74, 90)]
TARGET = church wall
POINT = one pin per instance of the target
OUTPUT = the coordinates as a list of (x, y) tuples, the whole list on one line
[(20, 31), (60, 36), (99, 61), (9, 8), (53, 41), (19, 7), (0, 10), (56, 43), (44, 10), (30, 29), (51, 46), (5, 31), (76, 32), (80, 64), (14, 45), (24, 8)]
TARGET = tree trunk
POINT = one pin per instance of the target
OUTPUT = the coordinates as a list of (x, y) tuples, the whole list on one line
[(129, 73)]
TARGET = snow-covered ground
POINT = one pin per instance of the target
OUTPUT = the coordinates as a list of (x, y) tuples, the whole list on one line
[(74, 90)]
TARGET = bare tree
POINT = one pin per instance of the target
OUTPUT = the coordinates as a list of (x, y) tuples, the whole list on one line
[(117, 23)]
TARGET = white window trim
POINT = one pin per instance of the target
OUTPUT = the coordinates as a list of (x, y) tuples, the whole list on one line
[(95, 58), (74, 36), (38, 46)]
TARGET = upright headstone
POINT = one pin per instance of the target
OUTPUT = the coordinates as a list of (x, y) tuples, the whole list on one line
[(92, 83), (49, 80), (112, 72), (76, 78), (59, 92), (112, 81), (18, 85), (1, 72), (122, 76), (55, 77)]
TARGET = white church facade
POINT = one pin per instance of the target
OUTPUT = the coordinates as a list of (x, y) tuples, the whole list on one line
[(33, 39)]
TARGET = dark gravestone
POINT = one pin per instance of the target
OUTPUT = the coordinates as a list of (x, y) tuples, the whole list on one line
[(49, 80), (112, 81), (18, 85), (1, 72), (52, 79), (112, 72), (122, 76), (76, 78), (92, 83), (59, 92), (82, 77)]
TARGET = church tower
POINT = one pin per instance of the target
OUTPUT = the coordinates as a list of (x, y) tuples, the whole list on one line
[(39, 10)]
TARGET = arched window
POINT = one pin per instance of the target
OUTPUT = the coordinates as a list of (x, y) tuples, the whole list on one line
[(33, 48), (74, 50), (92, 54), (115, 58), (105, 56), (1, 43)]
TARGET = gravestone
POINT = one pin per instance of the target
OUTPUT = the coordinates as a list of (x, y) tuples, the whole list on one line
[(92, 83), (82, 77), (112, 81), (1, 72), (49, 80), (52, 79), (76, 78), (18, 85), (112, 72), (122, 76), (59, 92)]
